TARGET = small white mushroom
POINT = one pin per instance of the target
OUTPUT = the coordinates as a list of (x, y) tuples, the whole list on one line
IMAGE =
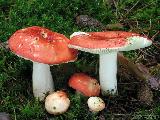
[(95, 104), (57, 103)]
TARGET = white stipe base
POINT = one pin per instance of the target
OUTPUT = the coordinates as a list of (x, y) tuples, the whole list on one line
[(42, 80)]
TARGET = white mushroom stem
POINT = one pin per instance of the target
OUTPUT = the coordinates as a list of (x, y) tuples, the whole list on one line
[(108, 73), (42, 80)]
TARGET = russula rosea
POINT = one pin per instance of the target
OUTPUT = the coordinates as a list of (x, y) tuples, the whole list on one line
[(84, 84), (107, 44), (43, 47), (95, 104), (57, 103)]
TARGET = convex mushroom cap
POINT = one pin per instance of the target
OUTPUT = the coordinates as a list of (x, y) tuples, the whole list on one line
[(41, 45), (57, 103), (95, 104), (84, 84)]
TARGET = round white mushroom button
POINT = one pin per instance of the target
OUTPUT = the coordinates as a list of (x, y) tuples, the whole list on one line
[(95, 104)]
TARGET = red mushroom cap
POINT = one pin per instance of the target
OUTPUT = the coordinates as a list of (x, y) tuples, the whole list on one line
[(106, 42), (107, 39), (41, 45), (85, 84)]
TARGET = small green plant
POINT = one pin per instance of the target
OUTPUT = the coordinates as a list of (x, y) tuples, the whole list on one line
[(32, 109)]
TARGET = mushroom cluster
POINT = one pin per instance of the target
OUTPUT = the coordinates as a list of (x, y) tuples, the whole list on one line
[(57, 102), (45, 47)]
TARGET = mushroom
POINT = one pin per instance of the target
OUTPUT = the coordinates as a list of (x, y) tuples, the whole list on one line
[(95, 104), (84, 84), (57, 103), (43, 47), (107, 44)]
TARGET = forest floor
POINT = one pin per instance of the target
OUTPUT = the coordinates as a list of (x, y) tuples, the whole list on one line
[(136, 99)]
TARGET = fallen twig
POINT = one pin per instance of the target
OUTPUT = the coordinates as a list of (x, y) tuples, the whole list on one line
[(140, 71)]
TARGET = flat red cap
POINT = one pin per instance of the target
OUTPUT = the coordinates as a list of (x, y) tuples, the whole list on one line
[(94, 40), (109, 41), (85, 84), (41, 45)]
